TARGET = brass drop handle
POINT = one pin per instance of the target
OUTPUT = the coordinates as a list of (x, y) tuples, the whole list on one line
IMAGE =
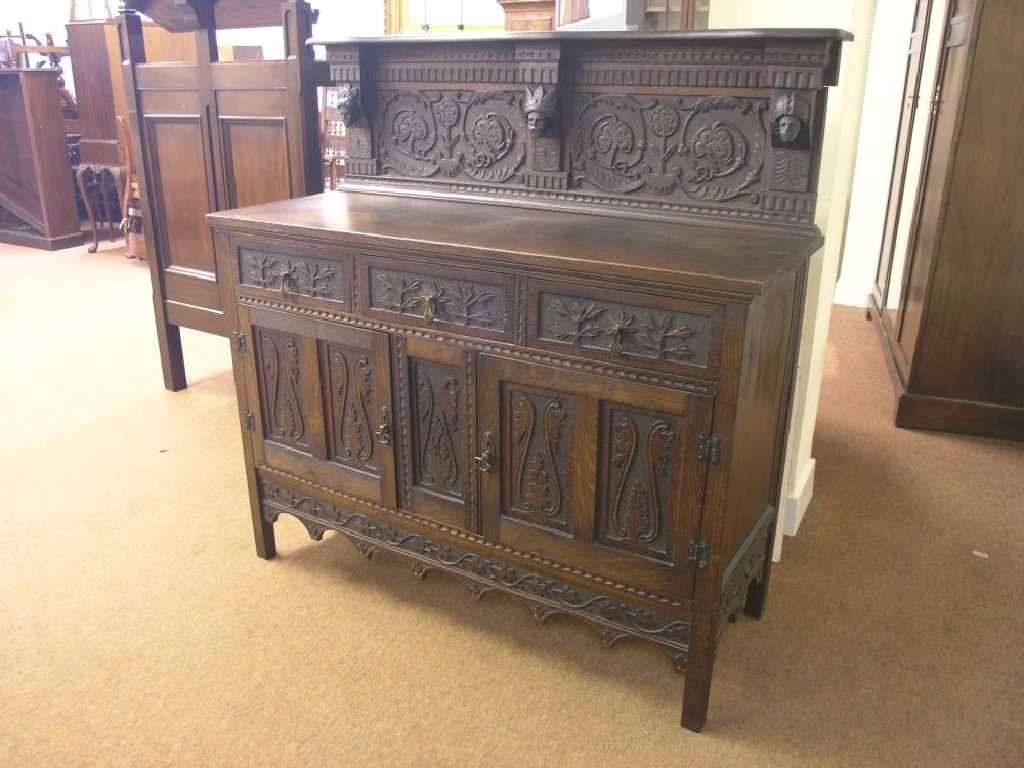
[(286, 286), (485, 461), (384, 430), (429, 307), (615, 348)]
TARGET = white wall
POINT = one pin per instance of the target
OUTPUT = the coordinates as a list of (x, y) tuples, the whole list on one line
[(834, 185), (882, 104)]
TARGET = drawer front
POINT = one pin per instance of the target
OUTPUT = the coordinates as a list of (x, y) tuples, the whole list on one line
[(291, 272), (625, 327), (467, 302)]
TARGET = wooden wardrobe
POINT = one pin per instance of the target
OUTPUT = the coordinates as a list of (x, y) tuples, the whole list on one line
[(949, 293)]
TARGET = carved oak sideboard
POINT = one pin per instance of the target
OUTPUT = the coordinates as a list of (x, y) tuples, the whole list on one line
[(543, 339)]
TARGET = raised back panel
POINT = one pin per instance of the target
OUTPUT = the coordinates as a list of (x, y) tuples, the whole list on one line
[(662, 125)]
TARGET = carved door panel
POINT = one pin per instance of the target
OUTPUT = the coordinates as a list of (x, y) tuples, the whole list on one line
[(323, 402), (592, 471), (436, 408)]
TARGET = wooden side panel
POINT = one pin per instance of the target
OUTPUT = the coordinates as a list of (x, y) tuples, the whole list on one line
[(755, 447), (180, 196), (35, 170)]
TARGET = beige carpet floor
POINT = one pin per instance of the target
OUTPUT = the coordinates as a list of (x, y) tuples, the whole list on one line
[(138, 627)]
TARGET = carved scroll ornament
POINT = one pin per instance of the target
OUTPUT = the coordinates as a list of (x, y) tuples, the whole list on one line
[(707, 149), (479, 135)]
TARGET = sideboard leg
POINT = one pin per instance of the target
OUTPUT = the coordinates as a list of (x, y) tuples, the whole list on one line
[(697, 690), (263, 532)]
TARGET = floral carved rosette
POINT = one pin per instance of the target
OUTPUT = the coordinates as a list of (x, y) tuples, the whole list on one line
[(452, 134), (710, 149), (722, 147)]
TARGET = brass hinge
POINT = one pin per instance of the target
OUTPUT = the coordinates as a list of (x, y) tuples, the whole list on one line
[(709, 449), (697, 553), (249, 419), (239, 337)]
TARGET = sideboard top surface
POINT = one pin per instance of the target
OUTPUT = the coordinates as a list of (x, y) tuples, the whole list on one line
[(739, 260), (689, 35)]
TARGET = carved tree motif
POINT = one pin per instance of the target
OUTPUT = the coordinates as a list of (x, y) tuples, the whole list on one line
[(576, 321), (318, 279), (664, 338), (437, 414), (261, 270), (624, 330), (307, 276), (463, 306), (399, 293), (451, 301)]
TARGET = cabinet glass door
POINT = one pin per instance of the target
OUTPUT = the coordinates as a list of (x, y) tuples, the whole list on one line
[(592, 471)]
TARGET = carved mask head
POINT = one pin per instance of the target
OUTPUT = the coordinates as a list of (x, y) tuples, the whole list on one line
[(538, 107), (790, 113), (789, 128), (348, 104)]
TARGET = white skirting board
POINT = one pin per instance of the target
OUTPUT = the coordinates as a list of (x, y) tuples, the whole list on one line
[(793, 509), (795, 506)]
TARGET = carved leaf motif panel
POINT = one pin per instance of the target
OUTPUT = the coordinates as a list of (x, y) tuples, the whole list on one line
[(438, 299), (670, 148), (437, 429), (641, 460), (539, 461), (280, 376), (624, 330), (347, 374), (469, 135), (319, 278)]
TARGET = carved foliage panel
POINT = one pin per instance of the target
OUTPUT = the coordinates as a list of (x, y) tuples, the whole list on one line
[(669, 147), (438, 431), (623, 329), (463, 134), (280, 374), (537, 487), (467, 303), (348, 376), (287, 273), (641, 457)]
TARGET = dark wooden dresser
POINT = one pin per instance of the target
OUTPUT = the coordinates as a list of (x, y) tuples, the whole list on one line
[(543, 339)]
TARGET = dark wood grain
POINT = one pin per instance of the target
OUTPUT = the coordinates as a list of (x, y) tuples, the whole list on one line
[(589, 393)]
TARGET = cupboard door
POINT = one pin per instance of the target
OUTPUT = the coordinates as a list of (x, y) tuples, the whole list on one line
[(435, 404), (592, 471), (324, 403)]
